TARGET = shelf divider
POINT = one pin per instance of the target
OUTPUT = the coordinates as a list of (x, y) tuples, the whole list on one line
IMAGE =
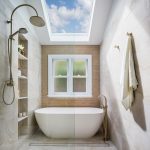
[(22, 57), (22, 118), (22, 98), (22, 77)]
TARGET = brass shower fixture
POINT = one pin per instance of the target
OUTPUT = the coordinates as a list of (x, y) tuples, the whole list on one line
[(34, 20)]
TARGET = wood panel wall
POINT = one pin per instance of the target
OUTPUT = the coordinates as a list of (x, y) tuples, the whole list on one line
[(71, 102)]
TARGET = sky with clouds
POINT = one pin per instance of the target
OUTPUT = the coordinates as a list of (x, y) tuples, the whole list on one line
[(70, 16)]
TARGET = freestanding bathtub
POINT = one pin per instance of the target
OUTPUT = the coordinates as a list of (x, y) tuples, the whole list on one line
[(69, 122)]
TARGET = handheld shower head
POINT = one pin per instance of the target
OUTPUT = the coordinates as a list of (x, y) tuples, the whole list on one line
[(21, 30), (37, 21)]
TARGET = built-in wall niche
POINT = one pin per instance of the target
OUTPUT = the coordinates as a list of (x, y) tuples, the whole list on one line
[(22, 56), (22, 68), (23, 45), (22, 128), (22, 105), (22, 86)]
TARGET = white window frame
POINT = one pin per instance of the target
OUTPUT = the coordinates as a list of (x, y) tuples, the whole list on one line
[(70, 92)]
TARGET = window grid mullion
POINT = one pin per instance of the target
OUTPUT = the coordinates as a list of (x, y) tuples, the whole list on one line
[(87, 74), (53, 79), (70, 76)]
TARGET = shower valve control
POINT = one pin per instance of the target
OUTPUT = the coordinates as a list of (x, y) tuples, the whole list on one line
[(10, 83)]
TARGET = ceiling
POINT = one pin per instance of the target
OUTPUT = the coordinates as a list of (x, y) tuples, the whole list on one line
[(100, 17)]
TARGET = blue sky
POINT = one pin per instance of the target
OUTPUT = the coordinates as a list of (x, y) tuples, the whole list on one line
[(70, 16), (68, 3)]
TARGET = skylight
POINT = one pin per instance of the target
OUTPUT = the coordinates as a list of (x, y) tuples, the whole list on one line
[(70, 16), (70, 20)]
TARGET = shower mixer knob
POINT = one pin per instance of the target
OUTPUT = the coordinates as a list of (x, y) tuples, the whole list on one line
[(10, 83)]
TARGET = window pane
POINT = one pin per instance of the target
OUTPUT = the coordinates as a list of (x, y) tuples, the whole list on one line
[(79, 85), (79, 68), (60, 85), (60, 67)]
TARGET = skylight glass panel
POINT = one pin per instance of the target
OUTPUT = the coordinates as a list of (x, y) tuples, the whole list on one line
[(70, 16)]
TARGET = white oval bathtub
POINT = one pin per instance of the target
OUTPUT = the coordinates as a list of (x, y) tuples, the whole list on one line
[(69, 122)]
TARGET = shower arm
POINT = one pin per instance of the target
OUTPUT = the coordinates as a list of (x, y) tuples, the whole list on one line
[(10, 82), (11, 18)]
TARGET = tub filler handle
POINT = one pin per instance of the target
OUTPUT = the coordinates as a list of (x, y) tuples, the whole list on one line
[(104, 106)]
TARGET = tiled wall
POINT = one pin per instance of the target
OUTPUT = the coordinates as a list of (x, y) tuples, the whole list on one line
[(94, 51), (34, 81), (9, 114), (130, 130)]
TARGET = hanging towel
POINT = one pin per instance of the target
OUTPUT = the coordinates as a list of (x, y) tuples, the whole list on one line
[(128, 78)]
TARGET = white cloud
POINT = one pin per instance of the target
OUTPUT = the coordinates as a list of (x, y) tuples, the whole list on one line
[(86, 4), (85, 24), (65, 13), (62, 16), (55, 19)]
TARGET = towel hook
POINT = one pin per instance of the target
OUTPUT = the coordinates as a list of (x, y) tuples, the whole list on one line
[(129, 34), (117, 47)]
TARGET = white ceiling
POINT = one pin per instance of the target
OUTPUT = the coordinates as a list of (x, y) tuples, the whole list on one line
[(100, 17)]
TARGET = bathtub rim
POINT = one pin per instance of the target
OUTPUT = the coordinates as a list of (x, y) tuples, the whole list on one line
[(70, 111)]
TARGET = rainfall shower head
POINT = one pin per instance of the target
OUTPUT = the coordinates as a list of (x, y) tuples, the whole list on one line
[(37, 21)]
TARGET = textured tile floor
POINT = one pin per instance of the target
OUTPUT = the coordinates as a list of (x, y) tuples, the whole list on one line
[(40, 142)]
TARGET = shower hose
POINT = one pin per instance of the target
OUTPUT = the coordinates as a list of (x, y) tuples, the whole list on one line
[(10, 82)]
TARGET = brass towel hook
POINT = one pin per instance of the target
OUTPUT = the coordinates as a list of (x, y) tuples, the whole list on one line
[(117, 47), (129, 34)]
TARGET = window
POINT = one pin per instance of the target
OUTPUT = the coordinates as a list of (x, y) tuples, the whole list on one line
[(70, 16), (69, 76)]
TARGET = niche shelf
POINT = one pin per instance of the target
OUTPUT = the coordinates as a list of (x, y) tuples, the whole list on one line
[(22, 77), (22, 98), (22, 57), (22, 118), (22, 86)]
